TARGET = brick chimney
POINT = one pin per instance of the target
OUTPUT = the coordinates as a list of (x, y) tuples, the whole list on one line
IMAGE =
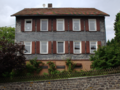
[(49, 5)]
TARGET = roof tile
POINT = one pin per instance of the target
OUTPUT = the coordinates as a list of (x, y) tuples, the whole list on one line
[(60, 11)]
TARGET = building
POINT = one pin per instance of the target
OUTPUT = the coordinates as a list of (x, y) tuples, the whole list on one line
[(56, 34)]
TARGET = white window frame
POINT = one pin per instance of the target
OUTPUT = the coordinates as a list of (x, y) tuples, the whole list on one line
[(30, 47), (41, 47), (95, 25), (41, 24), (63, 47), (25, 24), (79, 24), (96, 46), (63, 25), (74, 46)]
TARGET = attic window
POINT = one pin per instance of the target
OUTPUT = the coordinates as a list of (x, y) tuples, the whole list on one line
[(28, 25)]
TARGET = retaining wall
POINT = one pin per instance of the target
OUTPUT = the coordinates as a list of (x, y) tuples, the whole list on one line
[(105, 82)]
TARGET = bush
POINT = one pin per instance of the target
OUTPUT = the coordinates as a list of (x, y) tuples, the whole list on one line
[(34, 67), (11, 57)]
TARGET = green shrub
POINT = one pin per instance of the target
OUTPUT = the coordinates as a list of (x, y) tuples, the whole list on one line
[(34, 67), (70, 65)]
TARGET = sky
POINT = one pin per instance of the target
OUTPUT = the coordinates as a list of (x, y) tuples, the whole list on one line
[(111, 7)]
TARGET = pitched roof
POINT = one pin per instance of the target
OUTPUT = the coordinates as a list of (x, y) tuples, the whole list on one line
[(60, 11)]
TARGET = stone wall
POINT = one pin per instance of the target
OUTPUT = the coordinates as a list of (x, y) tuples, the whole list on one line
[(106, 82)]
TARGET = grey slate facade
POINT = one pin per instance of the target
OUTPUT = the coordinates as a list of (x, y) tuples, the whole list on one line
[(60, 36)]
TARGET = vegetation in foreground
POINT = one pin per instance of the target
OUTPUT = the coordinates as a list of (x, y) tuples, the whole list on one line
[(108, 56)]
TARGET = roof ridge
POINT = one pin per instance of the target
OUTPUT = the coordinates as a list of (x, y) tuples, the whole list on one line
[(61, 8)]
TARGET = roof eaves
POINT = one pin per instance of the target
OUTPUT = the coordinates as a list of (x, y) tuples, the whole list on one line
[(60, 15)]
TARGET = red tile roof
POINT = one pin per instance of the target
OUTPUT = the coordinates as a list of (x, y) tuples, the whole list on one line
[(60, 11)]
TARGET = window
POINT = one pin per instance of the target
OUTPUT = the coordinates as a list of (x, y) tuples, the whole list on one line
[(28, 46), (92, 24), (77, 47), (28, 25), (60, 67), (44, 25), (44, 67), (60, 47), (93, 46), (43, 47), (78, 66), (60, 24), (76, 24)]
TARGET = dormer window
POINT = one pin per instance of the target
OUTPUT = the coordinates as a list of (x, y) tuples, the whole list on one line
[(44, 24), (28, 25), (60, 24)]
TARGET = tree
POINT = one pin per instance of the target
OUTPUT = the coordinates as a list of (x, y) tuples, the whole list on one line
[(8, 33), (108, 56), (117, 28), (11, 56)]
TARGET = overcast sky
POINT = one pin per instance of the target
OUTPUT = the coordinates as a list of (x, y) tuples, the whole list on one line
[(9, 7)]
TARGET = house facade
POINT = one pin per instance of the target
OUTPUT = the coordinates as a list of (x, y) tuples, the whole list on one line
[(57, 34)]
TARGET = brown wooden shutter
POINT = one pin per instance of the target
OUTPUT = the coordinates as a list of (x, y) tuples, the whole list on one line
[(33, 47), (38, 25), (88, 47), (54, 47), (33, 25), (70, 25), (98, 25), (49, 24), (54, 24), (22, 25), (66, 24), (83, 47), (71, 47), (66, 47), (86, 25), (38, 47), (99, 44), (82, 24), (49, 47)]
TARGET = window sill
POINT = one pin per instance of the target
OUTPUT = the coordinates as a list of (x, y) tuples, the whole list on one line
[(43, 54), (77, 53), (43, 31), (76, 31), (28, 54), (92, 31), (60, 53)]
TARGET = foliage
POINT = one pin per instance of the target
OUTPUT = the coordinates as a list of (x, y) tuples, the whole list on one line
[(117, 28), (8, 33), (34, 67), (52, 69), (11, 57), (111, 42), (70, 65), (106, 57)]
